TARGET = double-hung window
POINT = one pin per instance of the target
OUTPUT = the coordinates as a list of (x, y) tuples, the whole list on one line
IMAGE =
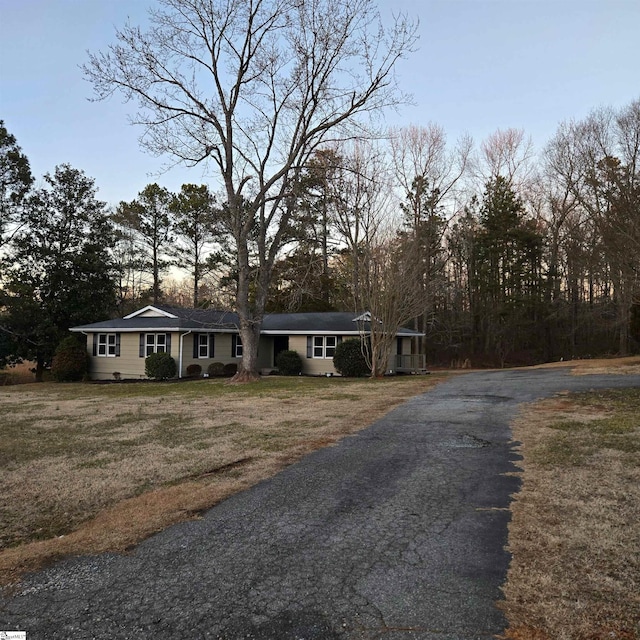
[(106, 345), (203, 345), (236, 346), (154, 343), (324, 346)]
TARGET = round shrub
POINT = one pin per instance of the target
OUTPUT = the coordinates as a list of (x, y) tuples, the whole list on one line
[(349, 360), (215, 369), (70, 362), (289, 363), (160, 366), (230, 369), (194, 370)]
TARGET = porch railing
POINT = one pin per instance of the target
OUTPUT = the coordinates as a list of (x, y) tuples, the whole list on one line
[(411, 362)]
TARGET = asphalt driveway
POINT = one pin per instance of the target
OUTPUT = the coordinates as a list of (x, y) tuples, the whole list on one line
[(397, 532)]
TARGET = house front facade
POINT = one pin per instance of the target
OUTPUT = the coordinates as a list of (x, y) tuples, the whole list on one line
[(118, 348)]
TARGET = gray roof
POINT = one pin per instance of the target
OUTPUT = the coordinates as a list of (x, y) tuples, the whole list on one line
[(209, 320)]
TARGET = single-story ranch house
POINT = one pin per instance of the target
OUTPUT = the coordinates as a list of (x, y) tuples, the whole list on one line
[(202, 336)]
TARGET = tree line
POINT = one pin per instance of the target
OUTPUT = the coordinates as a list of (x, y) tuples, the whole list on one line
[(496, 255)]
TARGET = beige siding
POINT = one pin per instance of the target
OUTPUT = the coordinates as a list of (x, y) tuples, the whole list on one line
[(129, 364), (151, 313), (222, 352), (311, 366)]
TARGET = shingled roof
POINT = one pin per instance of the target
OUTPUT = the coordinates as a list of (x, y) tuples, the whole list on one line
[(210, 320)]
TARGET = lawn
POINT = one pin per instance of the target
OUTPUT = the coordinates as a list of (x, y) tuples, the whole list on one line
[(575, 533), (95, 467), (91, 467)]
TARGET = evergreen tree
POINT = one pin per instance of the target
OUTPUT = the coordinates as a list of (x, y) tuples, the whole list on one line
[(58, 272), (148, 216), (15, 179), (507, 274), (197, 223)]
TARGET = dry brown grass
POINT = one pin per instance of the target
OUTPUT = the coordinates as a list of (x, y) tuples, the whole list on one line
[(575, 532), (90, 468), (17, 374)]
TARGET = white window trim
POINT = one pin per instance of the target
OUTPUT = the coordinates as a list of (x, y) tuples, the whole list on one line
[(154, 344), (323, 347), (206, 338), (238, 352), (106, 345)]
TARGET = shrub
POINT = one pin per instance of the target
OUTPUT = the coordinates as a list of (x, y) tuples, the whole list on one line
[(215, 369), (289, 363), (194, 370), (230, 369), (349, 361), (70, 362), (160, 366)]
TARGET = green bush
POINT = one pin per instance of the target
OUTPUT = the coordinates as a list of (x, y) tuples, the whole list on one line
[(194, 370), (160, 366), (349, 361), (70, 361), (289, 363), (215, 369), (230, 369)]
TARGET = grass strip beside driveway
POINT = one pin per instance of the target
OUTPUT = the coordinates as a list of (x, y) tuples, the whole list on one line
[(575, 533)]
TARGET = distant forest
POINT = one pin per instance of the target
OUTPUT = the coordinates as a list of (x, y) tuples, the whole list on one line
[(515, 257)]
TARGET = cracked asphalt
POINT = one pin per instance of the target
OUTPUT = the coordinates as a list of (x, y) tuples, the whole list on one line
[(397, 532)]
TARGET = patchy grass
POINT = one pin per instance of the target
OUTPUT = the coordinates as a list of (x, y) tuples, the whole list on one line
[(575, 532), (91, 467)]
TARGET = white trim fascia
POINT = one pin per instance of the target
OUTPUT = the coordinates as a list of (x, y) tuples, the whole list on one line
[(152, 330), (150, 307), (308, 332)]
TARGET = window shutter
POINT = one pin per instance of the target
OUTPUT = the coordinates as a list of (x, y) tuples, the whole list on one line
[(338, 340), (168, 347), (234, 343), (95, 344), (141, 352), (212, 344), (117, 345), (309, 346), (196, 345)]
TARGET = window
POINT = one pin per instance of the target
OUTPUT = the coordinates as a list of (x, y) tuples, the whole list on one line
[(324, 346), (154, 343), (236, 346), (106, 345), (203, 345)]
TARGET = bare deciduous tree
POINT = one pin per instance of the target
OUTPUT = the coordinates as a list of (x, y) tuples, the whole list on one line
[(391, 293), (254, 87), (598, 161)]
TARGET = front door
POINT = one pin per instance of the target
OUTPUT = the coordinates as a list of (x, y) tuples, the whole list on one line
[(280, 343)]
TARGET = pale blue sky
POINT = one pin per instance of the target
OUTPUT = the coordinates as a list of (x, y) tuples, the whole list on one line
[(482, 65)]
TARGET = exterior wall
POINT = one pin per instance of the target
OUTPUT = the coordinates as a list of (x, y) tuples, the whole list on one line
[(129, 364), (405, 346), (221, 352), (312, 366), (151, 313)]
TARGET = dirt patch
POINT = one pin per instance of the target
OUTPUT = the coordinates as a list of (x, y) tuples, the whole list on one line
[(91, 468), (575, 532)]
